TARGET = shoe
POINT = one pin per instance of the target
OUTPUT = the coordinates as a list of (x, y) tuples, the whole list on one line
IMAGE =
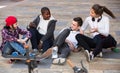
[(54, 52), (77, 70), (35, 52), (59, 61), (91, 57), (15, 54), (87, 55), (100, 55)]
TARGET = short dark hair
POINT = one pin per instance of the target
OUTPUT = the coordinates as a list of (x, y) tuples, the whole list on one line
[(43, 9), (78, 20)]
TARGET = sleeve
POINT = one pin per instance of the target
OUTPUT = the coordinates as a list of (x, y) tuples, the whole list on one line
[(104, 29), (85, 24), (24, 32), (7, 37), (50, 30)]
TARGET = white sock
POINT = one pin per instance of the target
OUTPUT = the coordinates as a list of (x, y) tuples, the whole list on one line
[(54, 52)]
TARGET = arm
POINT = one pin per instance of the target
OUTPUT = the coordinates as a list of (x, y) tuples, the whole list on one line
[(50, 30), (7, 36), (34, 23), (104, 30), (25, 33), (84, 26)]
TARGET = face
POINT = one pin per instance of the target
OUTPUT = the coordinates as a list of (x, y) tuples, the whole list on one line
[(93, 14), (14, 26), (46, 15), (74, 25)]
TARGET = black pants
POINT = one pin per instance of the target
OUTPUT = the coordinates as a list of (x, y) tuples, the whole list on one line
[(35, 40), (98, 42)]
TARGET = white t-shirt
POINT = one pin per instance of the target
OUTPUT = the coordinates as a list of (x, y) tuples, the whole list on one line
[(102, 25), (71, 37), (43, 24)]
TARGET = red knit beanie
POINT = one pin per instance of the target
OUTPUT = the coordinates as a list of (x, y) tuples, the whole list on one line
[(10, 20)]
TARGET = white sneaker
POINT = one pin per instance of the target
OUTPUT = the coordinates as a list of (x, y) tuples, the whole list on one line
[(54, 52), (100, 55), (59, 61), (87, 54)]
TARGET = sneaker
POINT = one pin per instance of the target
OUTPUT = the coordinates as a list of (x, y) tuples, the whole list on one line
[(59, 61), (91, 57), (76, 69), (87, 54), (100, 55), (35, 52), (15, 54), (54, 52)]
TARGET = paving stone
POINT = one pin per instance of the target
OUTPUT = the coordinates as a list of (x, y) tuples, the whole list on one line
[(63, 11)]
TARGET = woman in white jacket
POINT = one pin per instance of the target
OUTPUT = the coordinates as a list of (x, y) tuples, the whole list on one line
[(99, 29)]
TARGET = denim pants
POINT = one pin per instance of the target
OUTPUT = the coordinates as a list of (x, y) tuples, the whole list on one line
[(10, 47)]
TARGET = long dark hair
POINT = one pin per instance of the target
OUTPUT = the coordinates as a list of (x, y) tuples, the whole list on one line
[(100, 9)]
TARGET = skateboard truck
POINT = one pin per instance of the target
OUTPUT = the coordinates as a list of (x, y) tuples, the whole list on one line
[(32, 64), (77, 69)]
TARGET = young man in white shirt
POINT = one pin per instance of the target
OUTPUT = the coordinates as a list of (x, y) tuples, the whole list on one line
[(65, 42)]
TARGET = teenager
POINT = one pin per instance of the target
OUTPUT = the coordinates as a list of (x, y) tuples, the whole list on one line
[(42, 30), (99, 29), (65, 42), (12, 44)]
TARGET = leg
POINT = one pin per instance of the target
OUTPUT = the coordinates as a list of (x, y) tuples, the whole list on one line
[(61, 37), (47, 44), (18, 47), (7, 49), (86, 42), (109, 42), (35, 38), (64, 51)]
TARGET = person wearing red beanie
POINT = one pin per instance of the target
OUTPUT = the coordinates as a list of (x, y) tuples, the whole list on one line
[(10, 20), (11, 43)]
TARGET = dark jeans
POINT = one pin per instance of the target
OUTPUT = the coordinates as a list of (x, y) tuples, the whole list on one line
[(63, 47), (35, 40), (98, 42)]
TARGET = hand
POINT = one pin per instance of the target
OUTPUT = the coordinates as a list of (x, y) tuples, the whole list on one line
[(22, 41), (40, 45), (92, 30), (70, 44), (32, 24)]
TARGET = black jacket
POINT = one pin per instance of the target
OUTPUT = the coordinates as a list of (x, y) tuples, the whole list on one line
[(50, 28)]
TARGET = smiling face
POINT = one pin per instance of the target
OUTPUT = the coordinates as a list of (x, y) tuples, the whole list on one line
[(93, 14), (46, 15), (74, 25), (14, 26)]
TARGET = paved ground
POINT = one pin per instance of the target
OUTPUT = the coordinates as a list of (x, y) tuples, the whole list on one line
[(63, 11)]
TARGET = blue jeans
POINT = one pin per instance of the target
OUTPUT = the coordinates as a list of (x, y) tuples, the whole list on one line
[(10, 47)]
